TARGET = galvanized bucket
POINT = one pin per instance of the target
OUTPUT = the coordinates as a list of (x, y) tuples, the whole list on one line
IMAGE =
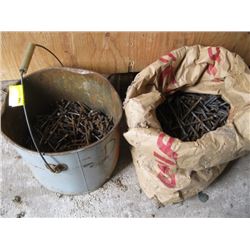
[(86, 169)]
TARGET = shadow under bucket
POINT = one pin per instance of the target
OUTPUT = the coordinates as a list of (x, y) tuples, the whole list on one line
[(87, 168)]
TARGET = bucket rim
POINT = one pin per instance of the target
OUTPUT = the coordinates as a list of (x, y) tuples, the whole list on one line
[(78, 71)]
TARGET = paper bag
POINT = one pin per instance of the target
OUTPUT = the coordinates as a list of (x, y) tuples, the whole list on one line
[(167, 168)]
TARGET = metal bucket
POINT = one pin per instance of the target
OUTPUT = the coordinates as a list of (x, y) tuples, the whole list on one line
[(87, 168)]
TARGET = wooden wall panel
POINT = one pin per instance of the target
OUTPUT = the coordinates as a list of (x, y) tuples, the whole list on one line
[(108, 52)]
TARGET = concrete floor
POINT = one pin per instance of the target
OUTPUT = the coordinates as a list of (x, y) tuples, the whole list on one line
[(119, 197), (229, 195)]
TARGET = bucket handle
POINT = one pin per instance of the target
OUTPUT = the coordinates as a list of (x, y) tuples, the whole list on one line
[(23, 69), (28, 55)]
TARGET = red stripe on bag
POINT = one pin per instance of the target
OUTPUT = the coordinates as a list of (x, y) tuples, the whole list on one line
[(169, 182), (164, 73), (164, 168), (167, 72), (166, 148), (164, 60), (211, 69), (171, 55), (163, 159), (216, 56)]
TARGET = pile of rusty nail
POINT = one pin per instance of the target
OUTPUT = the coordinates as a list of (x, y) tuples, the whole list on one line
[(71, 125), (188, 116)]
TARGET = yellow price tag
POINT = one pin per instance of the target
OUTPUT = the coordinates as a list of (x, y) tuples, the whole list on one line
[(16, 97)]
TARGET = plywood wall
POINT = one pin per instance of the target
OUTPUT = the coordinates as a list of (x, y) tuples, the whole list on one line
[(108, 52)]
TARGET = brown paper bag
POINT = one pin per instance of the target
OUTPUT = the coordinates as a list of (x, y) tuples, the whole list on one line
[(168, 168)]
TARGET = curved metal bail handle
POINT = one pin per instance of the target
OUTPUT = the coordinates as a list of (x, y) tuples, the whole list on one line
[(29, 53), (23, 69)]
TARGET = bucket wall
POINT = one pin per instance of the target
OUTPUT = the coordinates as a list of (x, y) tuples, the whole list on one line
[(87, 168)]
